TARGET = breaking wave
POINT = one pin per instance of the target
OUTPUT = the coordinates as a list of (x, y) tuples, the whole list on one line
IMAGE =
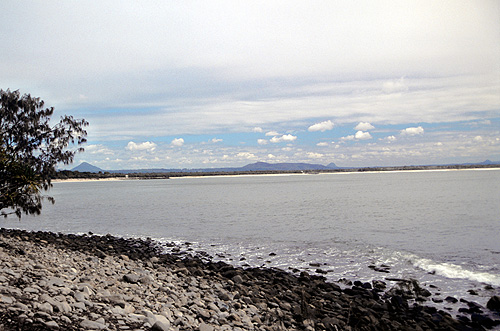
[(450, 270)]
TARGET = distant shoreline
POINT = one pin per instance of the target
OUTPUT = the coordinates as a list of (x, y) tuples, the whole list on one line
[(277, 173)]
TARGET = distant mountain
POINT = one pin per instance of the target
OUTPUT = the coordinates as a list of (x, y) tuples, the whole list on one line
[(487, 162), (258, 166), (332, 166), (86, 167)]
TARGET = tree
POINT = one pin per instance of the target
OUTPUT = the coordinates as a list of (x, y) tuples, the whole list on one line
[(30, 149)]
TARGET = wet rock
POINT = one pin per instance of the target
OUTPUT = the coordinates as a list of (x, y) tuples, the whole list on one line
[(451, 299), (104, 282), (494, 303)]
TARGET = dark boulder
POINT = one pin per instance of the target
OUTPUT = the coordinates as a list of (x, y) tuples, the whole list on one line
[(494, 303)]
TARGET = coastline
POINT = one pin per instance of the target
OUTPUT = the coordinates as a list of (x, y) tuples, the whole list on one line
[(277, 174), (70, 180), (79, 282)]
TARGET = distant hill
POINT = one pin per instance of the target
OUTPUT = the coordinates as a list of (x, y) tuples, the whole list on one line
[(86, 167), (258, 166)]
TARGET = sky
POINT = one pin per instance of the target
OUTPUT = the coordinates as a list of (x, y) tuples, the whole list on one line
[(206, 84)]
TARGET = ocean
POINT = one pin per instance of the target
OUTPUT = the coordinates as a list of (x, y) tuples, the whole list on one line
[(441, 228)]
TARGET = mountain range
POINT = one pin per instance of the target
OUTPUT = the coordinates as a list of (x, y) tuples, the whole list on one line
[(258, 166)]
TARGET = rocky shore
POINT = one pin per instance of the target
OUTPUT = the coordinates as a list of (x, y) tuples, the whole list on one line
[(54, 281)]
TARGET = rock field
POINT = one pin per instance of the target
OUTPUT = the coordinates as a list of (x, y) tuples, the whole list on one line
[(69, 282)]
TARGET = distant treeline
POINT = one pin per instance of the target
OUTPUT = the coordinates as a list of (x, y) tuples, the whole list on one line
[(436, 167), (68, 174)]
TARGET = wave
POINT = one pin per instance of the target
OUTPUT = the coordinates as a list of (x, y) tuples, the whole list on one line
[(450, 270)]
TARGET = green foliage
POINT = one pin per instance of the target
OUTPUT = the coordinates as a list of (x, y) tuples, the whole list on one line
[(30, 149)]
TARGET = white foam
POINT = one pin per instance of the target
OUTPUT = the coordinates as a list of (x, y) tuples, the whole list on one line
[(450, 270)]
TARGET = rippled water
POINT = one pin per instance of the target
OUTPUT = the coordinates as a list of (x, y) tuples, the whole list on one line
[(441, 227)]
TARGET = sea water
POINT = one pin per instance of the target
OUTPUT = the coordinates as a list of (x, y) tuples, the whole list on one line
[(439, 227)]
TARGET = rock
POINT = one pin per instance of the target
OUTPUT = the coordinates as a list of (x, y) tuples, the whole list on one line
[(237, 279), (6, 299), (205, 327), (483, 320), (93, 325), (146, 279), (180, 291), (494, 303), (131, 278), (62, 307), (46, 307), (52, 325), (159, 326), (451, 299), (21, 306)]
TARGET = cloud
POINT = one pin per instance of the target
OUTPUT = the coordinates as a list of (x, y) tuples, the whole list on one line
[(322, 144), (262, 141), (207, 69), (272, 133), (390, 138), (413, 131), (395, 86), (364, 126), (145, 146), (246, 155), (271, 156), (98, 149), (215, 140), (283, 138), (347, 138), (313, 155), (478, 138), (178, 142), (323, 126), (362, 135)]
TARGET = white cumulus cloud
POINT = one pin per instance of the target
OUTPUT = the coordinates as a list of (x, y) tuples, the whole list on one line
[(322, 144), (478, 138), (313, 155), (262, 141), (323, 126), (347, 138), (257, 129), (178, 142), (363, 135), (145, 146), (364, 126), (216, 140), (272, 133), (246, 155), (98, 149), (286, 137), (413, 131)]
